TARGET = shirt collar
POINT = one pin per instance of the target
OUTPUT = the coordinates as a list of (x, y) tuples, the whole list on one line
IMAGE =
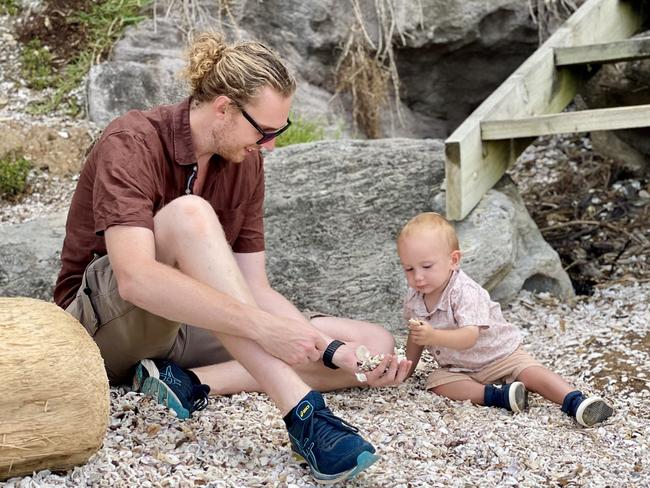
[(443, 301), (181, 141)]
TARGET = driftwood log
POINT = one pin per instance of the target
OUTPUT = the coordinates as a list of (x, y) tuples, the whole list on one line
[(54, 406)]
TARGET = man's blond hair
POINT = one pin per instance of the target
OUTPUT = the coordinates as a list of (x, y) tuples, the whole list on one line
[(434, 222), (238, 70)]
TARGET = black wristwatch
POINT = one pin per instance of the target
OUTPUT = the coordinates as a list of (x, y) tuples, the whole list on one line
[(329, 353)]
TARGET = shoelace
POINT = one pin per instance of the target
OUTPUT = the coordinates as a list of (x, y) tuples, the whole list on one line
[(326, 434), (192, 394), (199, 397)]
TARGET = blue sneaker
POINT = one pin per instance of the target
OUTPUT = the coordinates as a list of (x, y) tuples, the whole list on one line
[(512, 396), (330, 446), (588, 411), (173, 386)]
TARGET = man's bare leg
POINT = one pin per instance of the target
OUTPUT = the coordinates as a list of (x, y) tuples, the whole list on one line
[(231, 377), (188, 236)]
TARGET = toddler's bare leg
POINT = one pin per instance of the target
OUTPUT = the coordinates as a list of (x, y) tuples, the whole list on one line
[(462, 390), (546, 383)]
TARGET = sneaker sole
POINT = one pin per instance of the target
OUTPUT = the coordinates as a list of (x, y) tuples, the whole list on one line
[(153, 386), (364, 461), (518, 397), (592, 411)]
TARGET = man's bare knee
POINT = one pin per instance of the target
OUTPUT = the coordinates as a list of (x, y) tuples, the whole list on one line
[(187, 217), (184, 221)]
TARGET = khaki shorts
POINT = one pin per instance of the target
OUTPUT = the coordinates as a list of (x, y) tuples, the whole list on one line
[(125, 334), (504, 371)]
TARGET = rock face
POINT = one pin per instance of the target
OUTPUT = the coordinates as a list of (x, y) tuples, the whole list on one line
[(449, 55), (56, 414), (29, 256), (504, 250), (333, 210)]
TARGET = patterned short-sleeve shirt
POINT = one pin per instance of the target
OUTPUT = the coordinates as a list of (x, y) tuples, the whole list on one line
[(464, 302)]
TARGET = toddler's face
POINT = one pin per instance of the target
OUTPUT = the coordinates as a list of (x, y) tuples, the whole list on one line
[(427, 260)]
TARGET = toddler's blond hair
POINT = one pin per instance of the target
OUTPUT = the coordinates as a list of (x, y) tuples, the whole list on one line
[(431, 221)]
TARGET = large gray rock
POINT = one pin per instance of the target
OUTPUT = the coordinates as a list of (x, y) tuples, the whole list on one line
[(333, 210), (29, 256), (449, 55), (142, 72), (504, 250)]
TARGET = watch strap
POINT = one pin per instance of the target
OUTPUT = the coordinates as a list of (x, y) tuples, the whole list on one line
[(329, 353)]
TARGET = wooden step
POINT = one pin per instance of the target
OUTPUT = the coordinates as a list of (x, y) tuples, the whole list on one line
[(606, 52), (567, 122), (472, 165)]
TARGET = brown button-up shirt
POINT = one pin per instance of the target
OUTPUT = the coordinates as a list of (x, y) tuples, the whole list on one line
[(143, 161), (462, 303)]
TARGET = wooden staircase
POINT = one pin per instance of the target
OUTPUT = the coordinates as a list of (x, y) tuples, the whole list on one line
[(530, 102)]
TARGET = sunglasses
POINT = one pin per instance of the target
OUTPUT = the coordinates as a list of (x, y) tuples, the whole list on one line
[(266, 136)]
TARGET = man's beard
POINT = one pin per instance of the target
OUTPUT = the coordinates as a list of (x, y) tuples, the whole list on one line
[(229, 152)]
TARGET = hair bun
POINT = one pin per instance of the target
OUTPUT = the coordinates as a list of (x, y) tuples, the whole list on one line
[(204, 53), (237, 70)]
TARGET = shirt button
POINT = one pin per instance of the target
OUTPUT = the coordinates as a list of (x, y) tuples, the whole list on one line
[(437, 352)]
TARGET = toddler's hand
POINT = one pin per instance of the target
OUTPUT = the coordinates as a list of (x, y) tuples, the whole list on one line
[(421, 333), (415, 323)]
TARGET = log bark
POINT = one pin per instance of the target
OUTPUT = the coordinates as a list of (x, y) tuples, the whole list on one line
[(54, 406)]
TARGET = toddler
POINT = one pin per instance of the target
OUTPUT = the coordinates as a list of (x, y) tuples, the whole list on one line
[(475, 348)]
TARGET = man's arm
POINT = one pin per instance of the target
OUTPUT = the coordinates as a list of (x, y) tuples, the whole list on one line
[(166, 291), (253, 268)]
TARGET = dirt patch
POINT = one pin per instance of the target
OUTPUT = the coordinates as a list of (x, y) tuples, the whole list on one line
[(60, 150), (620, 366), (54, 26)]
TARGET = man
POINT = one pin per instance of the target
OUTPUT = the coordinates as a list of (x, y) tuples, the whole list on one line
[(165, 229)]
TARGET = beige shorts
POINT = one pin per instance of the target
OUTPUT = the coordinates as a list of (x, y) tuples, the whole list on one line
[(504, 371), (125, 334)]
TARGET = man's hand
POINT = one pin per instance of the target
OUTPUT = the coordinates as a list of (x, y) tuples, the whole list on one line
[(391, 371), (345, 358), (422, 333), (293, 341)]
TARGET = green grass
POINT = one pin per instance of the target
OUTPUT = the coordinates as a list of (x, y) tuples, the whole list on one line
[(9, 7), (36, 65), (104, 23), (300, 131), (14, 169)]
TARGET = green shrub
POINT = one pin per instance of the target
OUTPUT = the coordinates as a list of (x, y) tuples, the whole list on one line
[(14, 169), (9, 7), (104, 23), (36, 65), (301, 131)]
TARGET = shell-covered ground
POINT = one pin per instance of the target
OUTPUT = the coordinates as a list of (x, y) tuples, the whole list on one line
[(601, 344)]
